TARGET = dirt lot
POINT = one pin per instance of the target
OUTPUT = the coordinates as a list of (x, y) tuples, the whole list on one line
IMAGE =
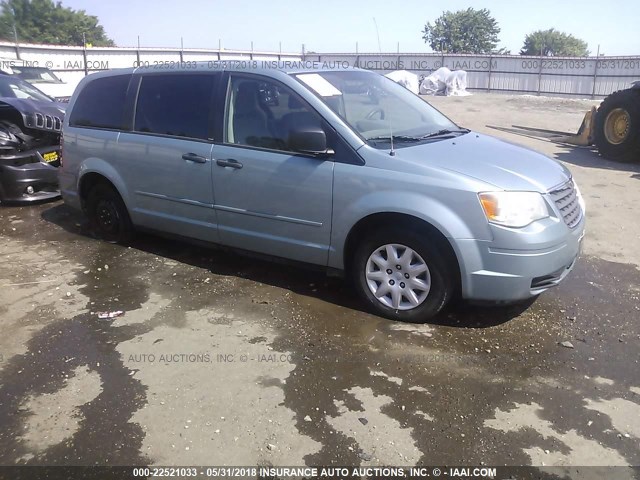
[(221, 359)]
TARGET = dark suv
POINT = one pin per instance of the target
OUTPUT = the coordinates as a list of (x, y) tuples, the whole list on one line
[(30, 127)]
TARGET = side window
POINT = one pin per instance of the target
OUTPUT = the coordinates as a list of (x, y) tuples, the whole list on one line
[(175, 104), (101, 103), (262, 113)]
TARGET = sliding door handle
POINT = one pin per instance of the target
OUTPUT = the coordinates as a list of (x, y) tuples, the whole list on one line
[(193, 157)]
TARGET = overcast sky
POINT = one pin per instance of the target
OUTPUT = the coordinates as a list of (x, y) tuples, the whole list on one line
[(336, 25)]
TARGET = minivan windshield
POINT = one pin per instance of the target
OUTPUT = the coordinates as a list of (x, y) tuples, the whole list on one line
[(378, 108)]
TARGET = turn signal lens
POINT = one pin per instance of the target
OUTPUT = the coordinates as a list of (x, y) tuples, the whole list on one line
[(513, 209)]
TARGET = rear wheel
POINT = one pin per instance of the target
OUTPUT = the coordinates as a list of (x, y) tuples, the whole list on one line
[(108, 214), (402, 275), (617, 126)]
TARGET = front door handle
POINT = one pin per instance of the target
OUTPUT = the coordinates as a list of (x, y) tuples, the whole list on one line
[(193, 157), (229, 163)]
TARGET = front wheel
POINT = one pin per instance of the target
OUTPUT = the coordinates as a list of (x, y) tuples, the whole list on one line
[(403, 275), (108, 214)]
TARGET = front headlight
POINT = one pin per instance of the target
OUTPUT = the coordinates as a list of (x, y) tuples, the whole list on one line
[(513, 209)]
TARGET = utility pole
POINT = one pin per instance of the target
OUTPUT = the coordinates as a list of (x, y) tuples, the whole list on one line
[(15, 32), (84, 54), (15, 38), (540, 70), (595, 73)]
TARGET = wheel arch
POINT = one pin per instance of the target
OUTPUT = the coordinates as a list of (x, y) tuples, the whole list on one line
[(402, 220), (95, 171), (88, 181)]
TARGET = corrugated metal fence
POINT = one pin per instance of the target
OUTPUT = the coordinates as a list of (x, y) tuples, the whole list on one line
[(586, 77), (73, 63)]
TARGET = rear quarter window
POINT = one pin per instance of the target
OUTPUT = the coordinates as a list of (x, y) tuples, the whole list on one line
[(101, 103)]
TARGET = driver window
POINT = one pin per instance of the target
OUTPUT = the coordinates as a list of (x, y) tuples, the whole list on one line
[(262, 113)]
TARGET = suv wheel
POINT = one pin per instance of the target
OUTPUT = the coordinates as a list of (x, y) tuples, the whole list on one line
[(108, 214), (402, 275)]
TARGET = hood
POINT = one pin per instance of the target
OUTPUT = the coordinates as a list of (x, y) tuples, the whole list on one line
[(37, 114), (499, 163)]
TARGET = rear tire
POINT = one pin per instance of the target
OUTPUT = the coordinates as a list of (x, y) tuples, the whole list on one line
[(108, 214), (617, 126), (403, 294)]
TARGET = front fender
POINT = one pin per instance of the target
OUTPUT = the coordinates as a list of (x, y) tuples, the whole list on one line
[(418, 205)]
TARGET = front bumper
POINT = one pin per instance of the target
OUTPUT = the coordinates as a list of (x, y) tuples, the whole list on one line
[(495, 274), (18, 172)]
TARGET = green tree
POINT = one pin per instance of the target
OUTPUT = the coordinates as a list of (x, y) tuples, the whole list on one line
[(552, 43), (43, 21), (464, 31)]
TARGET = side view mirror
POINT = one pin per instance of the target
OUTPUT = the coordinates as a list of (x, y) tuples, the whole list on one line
[(310, 140)]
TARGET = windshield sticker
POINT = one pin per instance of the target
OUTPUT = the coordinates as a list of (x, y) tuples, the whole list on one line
[(320, 84)]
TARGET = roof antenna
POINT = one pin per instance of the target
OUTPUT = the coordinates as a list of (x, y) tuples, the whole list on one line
[(392, 152)]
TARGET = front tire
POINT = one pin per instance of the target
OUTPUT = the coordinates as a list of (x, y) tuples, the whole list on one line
[(108, 214), (403, 275), (617, 126)]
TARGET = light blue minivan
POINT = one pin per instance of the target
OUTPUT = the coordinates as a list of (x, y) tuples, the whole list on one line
[(344, 169)]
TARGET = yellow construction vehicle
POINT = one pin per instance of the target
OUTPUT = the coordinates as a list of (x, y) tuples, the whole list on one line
[(613, 127), (616, 130)]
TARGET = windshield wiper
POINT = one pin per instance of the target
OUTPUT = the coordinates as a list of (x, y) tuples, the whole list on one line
[(409, 138), (395, 138), (445, 132)]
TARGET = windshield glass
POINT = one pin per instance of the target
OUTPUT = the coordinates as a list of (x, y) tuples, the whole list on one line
[(375, 106), (13, 87), (36, 75)]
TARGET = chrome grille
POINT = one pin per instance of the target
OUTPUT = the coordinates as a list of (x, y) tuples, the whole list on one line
[(48, 122), (566, 199)]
